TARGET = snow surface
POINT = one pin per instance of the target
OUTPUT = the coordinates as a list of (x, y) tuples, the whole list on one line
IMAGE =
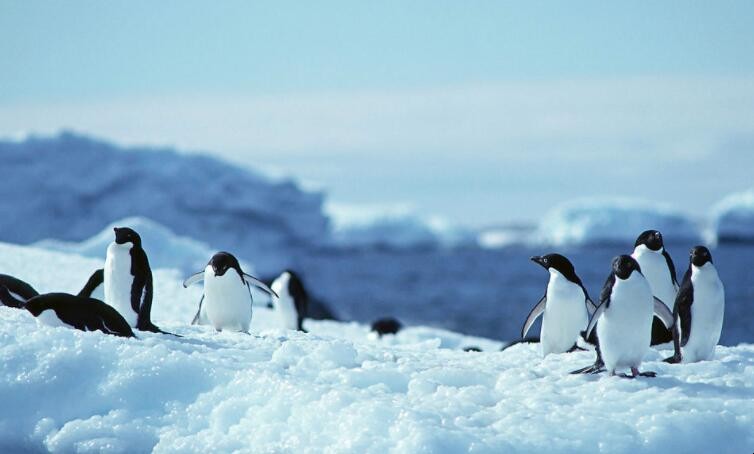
[(336, 389), (612, 220), (165, 249), (733, 217), (69, 187)]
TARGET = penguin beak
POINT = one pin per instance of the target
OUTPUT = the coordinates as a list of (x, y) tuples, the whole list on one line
[(538, 259)]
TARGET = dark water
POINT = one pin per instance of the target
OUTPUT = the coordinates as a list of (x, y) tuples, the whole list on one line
[(490, 292)]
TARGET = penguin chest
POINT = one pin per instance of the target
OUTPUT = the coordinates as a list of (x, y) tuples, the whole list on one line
[(625, 327), (119, 282), (565, 315), (655, 269), (227, 303), (706, 315), (285, 305)]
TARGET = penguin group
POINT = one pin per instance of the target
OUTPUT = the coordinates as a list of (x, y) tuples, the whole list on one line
[(118, 298), (641, 304)]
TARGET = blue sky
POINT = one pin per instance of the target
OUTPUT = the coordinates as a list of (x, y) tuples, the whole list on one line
[(480, 112)]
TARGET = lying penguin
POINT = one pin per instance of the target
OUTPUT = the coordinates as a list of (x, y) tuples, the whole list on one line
[(226, 303), (78, 312)]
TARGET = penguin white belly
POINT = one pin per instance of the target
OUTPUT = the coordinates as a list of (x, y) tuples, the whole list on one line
[(706, 315), (655, 269), (625, 328), (565, 315), (285, 306), (118, 281), (227, 303)]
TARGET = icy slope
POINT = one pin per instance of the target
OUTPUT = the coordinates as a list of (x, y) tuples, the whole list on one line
[(733, 217), (69, 187), (336, 389), (612, 220)]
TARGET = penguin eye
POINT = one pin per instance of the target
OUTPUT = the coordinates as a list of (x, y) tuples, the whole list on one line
[(546, 260)]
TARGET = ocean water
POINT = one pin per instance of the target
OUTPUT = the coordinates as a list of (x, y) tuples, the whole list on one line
[(490, 292)]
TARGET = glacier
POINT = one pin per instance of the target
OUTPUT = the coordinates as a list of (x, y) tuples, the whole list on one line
[(336, 389), (68, 187)]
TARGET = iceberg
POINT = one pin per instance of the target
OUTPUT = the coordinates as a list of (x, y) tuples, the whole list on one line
[(611, 221), (733, 218)]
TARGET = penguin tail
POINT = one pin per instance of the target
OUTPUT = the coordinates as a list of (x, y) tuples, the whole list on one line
[(7, 299), (152, 328)]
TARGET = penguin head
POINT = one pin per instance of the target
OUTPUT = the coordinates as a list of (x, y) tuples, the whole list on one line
[(295, 285), (624, 265), (700, 256), (124, 235), (652, 239), (557, 262), (224, 261)]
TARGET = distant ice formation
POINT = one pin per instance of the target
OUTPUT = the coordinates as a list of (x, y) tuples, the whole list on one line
[(733, 218)]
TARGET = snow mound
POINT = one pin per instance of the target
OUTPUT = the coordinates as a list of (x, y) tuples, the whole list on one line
[(733, 218), (612, 220), (336, 389), (392, 226), (67, 187), (164, 248)]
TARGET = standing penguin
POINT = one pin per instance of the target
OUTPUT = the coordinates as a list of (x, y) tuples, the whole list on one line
[(566, 306), (292, 301), (73, 311), (128, 280), (624, 317), (659, 270), (226, 303), (699, 308)]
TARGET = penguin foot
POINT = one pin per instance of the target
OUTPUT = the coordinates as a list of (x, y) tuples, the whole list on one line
[(593, 369), (648, 374), (576, 348), (636, 373), (625, 376), (675, 359)]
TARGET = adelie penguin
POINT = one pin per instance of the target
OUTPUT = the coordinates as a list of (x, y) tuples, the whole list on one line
[(659, 270), (624, 317), (73, 311), (226, 303), (23, 291), (128, 280), (292, 302), (565, 306), (699, 309)]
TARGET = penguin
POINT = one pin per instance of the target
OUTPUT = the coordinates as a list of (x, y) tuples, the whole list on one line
[(20, 290), (73, 311), (292, 301), (624, 318), (387, 325), (659, 270), (566, 306), (226, 303), (128, 280), (699, 309)]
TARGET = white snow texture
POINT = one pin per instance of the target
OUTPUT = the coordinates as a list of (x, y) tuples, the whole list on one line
[(336, 389)]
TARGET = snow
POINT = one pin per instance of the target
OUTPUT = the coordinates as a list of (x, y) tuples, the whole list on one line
[(612, 220), (166, 250), (503, 236), (394, 226), (336, 389), (733, 217), (68, 187)]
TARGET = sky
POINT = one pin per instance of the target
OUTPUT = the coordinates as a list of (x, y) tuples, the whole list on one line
[(479, 112)]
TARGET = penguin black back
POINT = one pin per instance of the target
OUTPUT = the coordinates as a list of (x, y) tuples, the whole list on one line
[(18, 287), (141, 288), (300, 297)]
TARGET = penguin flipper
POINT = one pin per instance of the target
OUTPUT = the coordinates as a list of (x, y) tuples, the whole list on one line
[(7, 299), (95, 280), (535, 312), (251, 280), (193, 279), (197, 317), (19, 287), (664, 314), (590, 306), (593, 322)]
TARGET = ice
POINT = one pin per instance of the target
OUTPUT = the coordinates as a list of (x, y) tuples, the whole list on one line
[(337, 388), (394, 226), (613, 220), (69, 187), (733, 218)]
